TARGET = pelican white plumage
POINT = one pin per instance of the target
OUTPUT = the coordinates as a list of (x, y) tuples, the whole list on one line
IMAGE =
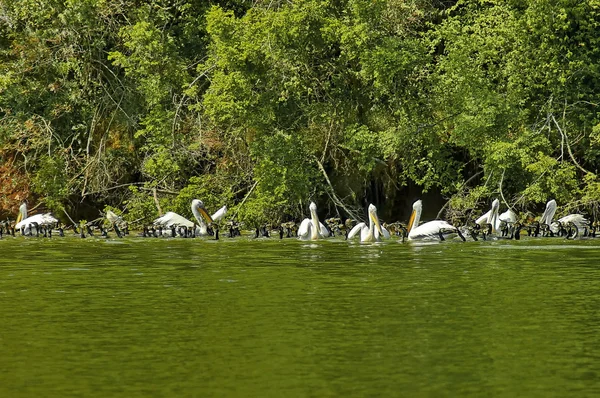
[(22, 211), (577, 219), (374, 232), (219, 214), (24, 223), (170, 218), (117, 223), (112, 217), (430, 230), (311, 228), (508, 217), (492, 217)]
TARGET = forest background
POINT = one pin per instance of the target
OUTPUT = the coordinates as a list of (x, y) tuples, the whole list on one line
[(265, 105)]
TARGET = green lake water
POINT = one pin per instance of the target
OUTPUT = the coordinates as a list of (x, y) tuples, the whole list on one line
[(283, 318)]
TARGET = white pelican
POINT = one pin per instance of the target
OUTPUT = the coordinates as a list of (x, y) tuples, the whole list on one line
[(117, 223), (577, 219), (112, 217), (22, 212), (492, 217), (373, 232), (24, 223), (311, 228), (430, 230), (508, 217), (173, 219)]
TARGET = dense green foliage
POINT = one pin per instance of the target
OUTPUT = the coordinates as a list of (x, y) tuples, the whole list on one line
[(265, 105)]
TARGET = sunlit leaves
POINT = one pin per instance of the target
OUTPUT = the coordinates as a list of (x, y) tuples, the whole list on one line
[(329, 75), (270, 103)]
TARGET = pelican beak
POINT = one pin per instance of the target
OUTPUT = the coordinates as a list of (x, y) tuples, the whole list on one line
[(377, 224), (411, 221), (206, 216), (19, 217)]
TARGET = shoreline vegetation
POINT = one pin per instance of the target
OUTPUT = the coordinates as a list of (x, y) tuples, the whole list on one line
[(267, 105)]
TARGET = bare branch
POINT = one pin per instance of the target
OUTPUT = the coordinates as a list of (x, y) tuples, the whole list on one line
[(566, 139), (336, 199), (244, 200), (464, 184)]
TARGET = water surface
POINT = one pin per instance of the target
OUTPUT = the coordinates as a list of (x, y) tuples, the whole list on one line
[(177, 318)]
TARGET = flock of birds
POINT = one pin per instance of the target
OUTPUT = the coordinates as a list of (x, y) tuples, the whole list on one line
[(491, 225)]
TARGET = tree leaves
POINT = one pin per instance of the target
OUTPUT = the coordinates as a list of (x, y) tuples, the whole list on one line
[(269, 104)]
